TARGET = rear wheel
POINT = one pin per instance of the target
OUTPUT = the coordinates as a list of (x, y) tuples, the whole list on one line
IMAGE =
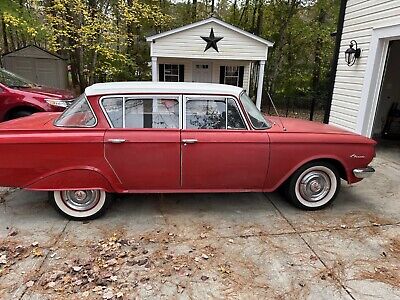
[(314, 186), (81, 204)]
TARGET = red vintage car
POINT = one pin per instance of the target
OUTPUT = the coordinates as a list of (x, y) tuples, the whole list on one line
[(145, 137), (20, 97)]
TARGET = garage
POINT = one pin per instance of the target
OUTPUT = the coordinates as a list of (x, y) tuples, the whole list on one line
[(387, 119), (38, 66), (366, 93)]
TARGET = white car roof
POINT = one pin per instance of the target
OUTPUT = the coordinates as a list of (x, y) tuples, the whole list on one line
[(112, 88)]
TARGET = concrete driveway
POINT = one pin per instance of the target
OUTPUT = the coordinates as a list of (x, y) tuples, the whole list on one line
[(251, 246)]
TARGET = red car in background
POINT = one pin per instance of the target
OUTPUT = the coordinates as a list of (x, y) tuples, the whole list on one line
[(20, 97)]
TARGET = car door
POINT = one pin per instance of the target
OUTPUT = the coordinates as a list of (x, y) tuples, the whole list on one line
[(143, 145), (219, 152)]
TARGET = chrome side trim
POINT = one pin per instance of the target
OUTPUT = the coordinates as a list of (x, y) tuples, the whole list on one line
[(363, 172)]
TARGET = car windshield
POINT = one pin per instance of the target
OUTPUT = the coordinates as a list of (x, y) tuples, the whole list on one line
[(79, 114), (14, 81), (256, 117)]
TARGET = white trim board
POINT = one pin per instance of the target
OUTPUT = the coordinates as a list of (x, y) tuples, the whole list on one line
[(373, 76), (206, 21)]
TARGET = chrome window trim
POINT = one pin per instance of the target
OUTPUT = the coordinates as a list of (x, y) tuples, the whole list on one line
[(269, 126), (91, 109), (239, 108), (104, 110), (177, 97), (213, 97)]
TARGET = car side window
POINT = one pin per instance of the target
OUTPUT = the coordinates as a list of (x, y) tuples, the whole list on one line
[(113, 109), (235, 120), (154, 112), (213, 114), (206, 114)]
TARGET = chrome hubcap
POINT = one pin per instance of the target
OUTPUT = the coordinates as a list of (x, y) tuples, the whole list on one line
[(314, 186), (81, 200)]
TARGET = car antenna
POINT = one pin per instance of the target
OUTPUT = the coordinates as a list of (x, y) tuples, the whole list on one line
[(276, 111)]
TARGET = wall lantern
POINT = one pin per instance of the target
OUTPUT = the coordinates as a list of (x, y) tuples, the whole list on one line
[(352, 53)]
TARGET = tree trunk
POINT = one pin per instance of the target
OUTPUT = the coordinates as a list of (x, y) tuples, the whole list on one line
[(317, 65), (194, 10), (4, 32), (258, 28)]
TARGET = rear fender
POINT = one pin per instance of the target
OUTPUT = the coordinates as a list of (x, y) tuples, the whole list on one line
[(72, 179)]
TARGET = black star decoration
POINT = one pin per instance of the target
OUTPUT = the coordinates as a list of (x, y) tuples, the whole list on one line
[(211, 41)]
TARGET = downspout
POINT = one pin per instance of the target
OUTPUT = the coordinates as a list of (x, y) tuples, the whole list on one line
[(335, 59)]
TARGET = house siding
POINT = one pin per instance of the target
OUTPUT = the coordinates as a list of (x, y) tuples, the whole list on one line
[(189, 44), (361, 17)]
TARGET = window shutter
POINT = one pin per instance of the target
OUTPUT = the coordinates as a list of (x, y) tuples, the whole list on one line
[(222, 74), (161, 72), (241, 75), (181, 73)]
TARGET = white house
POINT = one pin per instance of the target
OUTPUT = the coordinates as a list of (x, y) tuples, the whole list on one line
[(366, 94), (210, 50)]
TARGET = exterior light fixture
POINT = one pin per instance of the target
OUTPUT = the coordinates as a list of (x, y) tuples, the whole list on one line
[(352, 53)]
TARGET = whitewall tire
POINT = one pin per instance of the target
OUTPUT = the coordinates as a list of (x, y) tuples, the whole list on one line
[(81, 204), (314, 186)]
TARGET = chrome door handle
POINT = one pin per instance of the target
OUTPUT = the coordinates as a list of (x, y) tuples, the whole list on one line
[(189, 141), (116, 141)]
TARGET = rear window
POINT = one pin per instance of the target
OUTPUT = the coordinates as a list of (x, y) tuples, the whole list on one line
[(79, 114)]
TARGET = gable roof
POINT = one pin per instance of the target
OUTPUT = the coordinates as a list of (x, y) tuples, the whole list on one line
[(206, 21), (11, 53)]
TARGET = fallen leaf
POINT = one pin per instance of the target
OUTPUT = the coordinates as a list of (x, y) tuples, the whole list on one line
[(180, 288), (85, 294), (205, 256), (37, 252), (3, 259), (76, 268), (13, 232), (30, 283), (108, 295)]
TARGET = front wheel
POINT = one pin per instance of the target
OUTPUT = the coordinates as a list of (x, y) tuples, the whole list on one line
[(314, 186), (81, 204)]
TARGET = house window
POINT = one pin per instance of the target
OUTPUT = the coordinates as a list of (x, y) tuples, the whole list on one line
[(171, 72), (232, 75)]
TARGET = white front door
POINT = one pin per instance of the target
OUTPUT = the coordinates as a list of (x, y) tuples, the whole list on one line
[(202, 72)]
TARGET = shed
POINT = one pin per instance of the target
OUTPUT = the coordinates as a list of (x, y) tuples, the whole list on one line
[(210, 50), (37, 65), (366, 95)]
